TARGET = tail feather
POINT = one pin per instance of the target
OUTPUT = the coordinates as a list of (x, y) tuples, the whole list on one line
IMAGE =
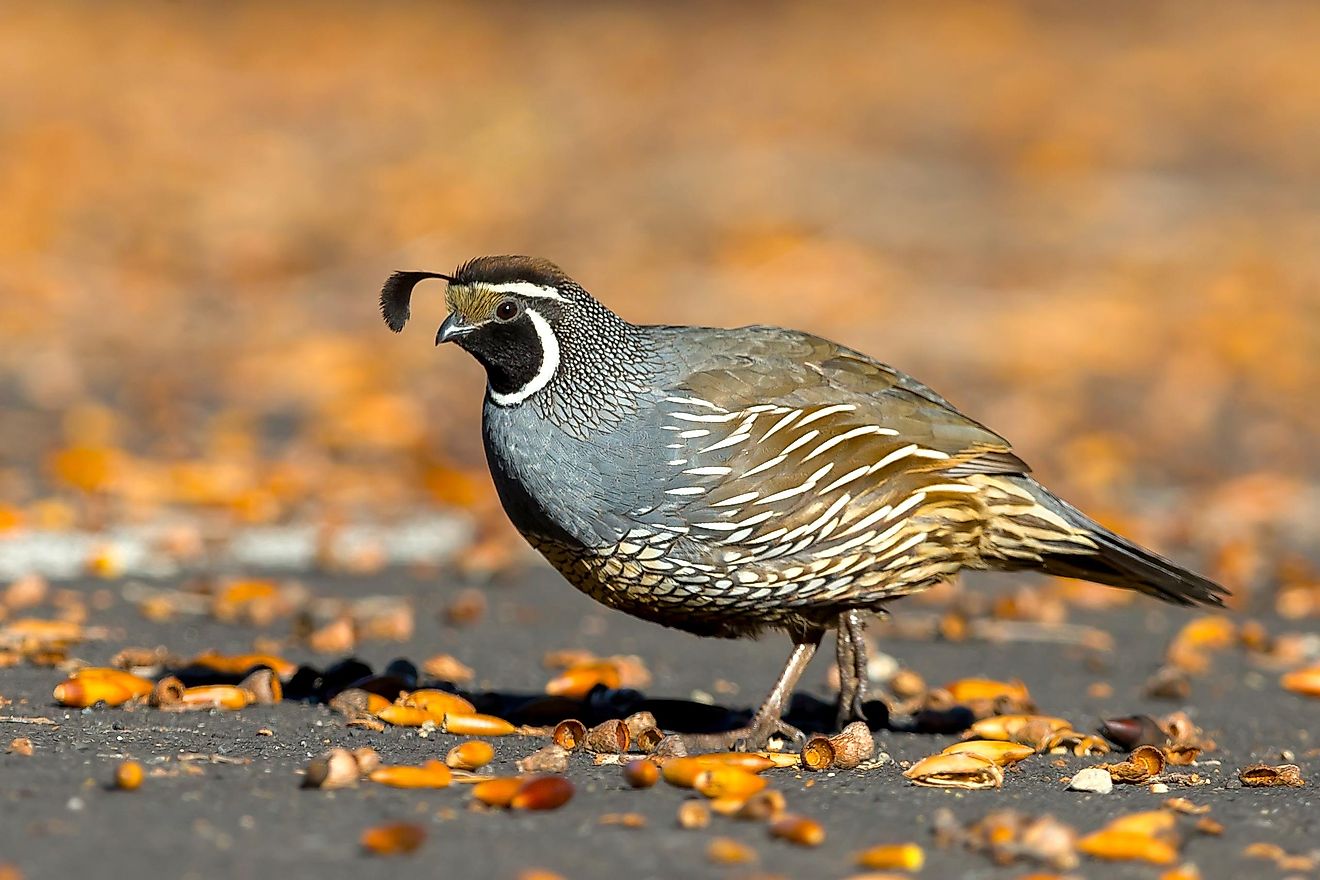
[(1090, 552)]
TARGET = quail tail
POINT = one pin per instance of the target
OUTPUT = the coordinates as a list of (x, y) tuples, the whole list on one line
[(1088, 551)]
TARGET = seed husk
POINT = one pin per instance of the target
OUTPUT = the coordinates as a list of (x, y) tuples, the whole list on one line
[(550, 759), (852, 745), (128, 775), (237, 664), (646, 739), (728, 783), (1151, 823), (995, 751), (1302, 681), (577, 681), (337, 768), (1028, 730), (638, 722), (477, 725), (497, 792), (81, 693), (818, 753), (1128, 846), (693, 814), (134, 684), (893, 857), (355, 702), (542, 793), (569, 733), (407, 716), (727, 851), (215, 696), (167, 692), (972, 690), (395, 838), (1144, 763), (955, 771), (623, 820), (609, 737), (763, 806), (1183, 805), (367, 759), (470, 755), (1265, 776), (798, 829), (437, 702), (432, 774), (264, 686), (641, 773)]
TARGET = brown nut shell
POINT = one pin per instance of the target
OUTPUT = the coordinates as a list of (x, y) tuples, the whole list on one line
[(609, 737)]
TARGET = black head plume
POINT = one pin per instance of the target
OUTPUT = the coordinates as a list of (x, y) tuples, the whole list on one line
[(396, 295)]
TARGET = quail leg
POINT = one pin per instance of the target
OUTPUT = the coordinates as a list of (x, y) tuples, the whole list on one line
[(768, 720), (851, 657)]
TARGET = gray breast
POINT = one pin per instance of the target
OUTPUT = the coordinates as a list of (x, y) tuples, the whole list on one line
[(579, 491)]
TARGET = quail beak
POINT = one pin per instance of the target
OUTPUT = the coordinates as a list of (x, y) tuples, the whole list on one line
[(452, 328)]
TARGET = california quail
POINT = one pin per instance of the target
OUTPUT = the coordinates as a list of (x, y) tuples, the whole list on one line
[(725, 482)]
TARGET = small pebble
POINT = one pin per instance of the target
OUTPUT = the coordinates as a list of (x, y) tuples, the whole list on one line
[(1096, 779)]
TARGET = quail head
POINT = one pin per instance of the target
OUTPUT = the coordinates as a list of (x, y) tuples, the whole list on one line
[(730, 481)]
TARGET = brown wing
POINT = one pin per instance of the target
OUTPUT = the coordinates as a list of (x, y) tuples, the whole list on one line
[(798, 460)]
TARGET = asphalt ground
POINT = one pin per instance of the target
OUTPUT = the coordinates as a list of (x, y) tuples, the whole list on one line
[(222, 797)]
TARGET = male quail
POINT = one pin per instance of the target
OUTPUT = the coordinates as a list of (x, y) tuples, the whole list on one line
[(725, 482)]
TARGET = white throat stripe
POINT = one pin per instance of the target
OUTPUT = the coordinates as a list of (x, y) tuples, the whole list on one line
[(528, 289), (549, 364)]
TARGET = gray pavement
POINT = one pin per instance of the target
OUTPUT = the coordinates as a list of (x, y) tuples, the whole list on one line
[(250, 819)]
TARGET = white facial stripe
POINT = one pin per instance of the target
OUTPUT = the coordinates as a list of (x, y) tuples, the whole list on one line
[(549, 364), (528, 289)]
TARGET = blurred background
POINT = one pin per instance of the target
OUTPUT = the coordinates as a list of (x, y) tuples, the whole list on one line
[(1094, 227)]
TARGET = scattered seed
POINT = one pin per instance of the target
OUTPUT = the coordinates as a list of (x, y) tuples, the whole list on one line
[(337, 768), (891, 857), (446, 667), (693, 814), (994, 751), (955, 771), (763, 806), (1265, 776), (397, 838), (470, 755), (577, 681), (542, 793), (550, 759), (477, 725), (21, 746), (727, 851), (798, 829), (731, 783), (1303, 681), (623, 820), (1127, 846), (128, 775), (437, 702), (641, 773), (497, 792), (432, 774)]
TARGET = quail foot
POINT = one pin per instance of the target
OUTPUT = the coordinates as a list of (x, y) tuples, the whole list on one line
[(732, 481)]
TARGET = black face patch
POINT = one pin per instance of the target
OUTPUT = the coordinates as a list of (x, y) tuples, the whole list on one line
[(510, 352)]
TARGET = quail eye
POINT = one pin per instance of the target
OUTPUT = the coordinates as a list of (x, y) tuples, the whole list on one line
[(507, 310)]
